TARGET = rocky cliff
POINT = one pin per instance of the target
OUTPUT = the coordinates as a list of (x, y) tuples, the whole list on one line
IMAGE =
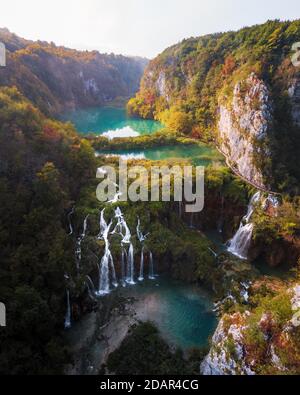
[(243, 128), (263, 338), (237, 89), (57, 78)]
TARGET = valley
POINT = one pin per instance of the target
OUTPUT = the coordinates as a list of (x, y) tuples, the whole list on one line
[(145, 287)]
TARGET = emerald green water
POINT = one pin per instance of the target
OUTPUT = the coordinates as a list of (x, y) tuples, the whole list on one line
[(201, 155), (110, 121), (182, 312)]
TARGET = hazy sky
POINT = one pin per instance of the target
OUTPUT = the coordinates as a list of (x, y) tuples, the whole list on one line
[(135, 27)]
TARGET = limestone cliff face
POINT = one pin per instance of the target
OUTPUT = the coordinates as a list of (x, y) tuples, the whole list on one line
[(226, 354), (243, 128), (256, 342)]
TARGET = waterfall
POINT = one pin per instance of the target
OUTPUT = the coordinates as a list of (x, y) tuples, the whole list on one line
[(84, 227), (151, 267), (107, 262), (123, 267), (130, 266), (103, 225), (70, 222), (141, 277), (78, 243), (213, 252), (141, 238), (122, 228), (241, 241), (68, 313)]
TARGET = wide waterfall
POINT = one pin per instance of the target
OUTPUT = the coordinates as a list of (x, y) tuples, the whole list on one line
[(240, 243), (106, 268), (68, 323)]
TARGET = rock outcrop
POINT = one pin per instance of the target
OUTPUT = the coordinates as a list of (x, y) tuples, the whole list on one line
[(259, 342), (243, 129)]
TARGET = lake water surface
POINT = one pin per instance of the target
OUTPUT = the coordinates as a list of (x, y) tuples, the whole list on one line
[(110, 122)]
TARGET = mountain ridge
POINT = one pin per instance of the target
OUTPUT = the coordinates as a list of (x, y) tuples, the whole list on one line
[(56, 78)]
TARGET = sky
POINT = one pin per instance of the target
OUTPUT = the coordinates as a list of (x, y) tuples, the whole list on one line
[(135, 27)]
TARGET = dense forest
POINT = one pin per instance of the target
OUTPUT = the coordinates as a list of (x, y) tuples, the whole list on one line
[(48, 170), (57, 78), (187, 85)]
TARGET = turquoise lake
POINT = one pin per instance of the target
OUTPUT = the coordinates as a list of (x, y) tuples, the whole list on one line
[(182, 312), (201, 155), (110, 122)]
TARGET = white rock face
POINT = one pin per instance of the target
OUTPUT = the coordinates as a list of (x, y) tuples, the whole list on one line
[(243, 128), (220, 361), (161, 86)]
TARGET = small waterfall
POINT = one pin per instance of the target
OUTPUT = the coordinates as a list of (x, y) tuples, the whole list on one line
[(84, 227), (141, 277), (122, 228), (130, 266), (107, 262), (213, 252), (141, 238), (68, 323), (70, 222), (103, 225), (78, 243), (151, 267), (241, 241), (123, 267)]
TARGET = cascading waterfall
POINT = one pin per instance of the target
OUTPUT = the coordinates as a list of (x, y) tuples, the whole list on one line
[(68, 323), (106, 261), (123, 230), (106, 268), (240, 243), (151, 267)]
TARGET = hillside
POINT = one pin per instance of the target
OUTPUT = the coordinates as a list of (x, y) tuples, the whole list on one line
[(238, 89), (57, 78)]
